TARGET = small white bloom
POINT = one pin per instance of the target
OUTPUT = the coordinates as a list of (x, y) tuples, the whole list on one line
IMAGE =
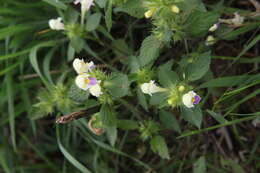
[(81, 67), (85, 4), (150, 88), (96, 90), (82, 81), (237, 20), (213, 27), (85, 82), (56, 24), (190, 99)]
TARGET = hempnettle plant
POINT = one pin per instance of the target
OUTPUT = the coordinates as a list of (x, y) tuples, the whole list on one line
[(108, 86)]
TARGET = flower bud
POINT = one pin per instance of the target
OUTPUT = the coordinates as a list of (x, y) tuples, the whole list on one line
[(213, 27), (175, 9), (181, 88), (210, 40), (149, 13)]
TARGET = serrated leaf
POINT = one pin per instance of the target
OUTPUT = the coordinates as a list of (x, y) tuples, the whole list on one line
[(133, 8), (93, 21), (108, 116), (200, 165), (166, 76), (111, 133), (127, 124), (169, 121), (149, 50), (192, 115), (117, 85), (159, 146), (198, 66), (77, 94), (199, 22)]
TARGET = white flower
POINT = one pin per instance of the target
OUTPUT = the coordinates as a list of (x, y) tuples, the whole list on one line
[(85, 82), (190, 99), (150, 88), (81, 67), (85, 4), (237, 20), (56, 24), (213, 27), (96, 90)]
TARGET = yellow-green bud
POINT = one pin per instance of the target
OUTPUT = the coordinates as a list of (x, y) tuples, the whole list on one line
[(149, 13), (210, 40), (181, 88), (175, 9)]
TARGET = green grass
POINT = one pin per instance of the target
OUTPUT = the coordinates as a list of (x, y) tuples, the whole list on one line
[(37, 87)]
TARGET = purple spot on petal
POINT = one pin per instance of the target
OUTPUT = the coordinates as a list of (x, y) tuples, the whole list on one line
[(196, 99), (92, 81)]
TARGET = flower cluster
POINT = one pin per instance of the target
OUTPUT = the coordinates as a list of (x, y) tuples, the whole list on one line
[(85, 80), (57, 24), (189, 99)]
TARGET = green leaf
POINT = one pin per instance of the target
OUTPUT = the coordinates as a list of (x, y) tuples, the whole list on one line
[(57, 4), (228, 81), (108, 116), (71, 52), (149, 50), (133, 64), (167, 77), (141, 99), (34, 61), (101, 3), (93, 21), (133, 8), (217, 117), (159, 98), (169, 121), (127, 124), (77, 94), (117, 85), (108, 15), (77, 43), (198, 66), (70, 158), (233, 34), (199, 22), (200, 165), (111, 133), (192, 115), (159, 146)]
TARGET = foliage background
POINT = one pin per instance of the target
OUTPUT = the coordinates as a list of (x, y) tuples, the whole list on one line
[(37, 80)]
